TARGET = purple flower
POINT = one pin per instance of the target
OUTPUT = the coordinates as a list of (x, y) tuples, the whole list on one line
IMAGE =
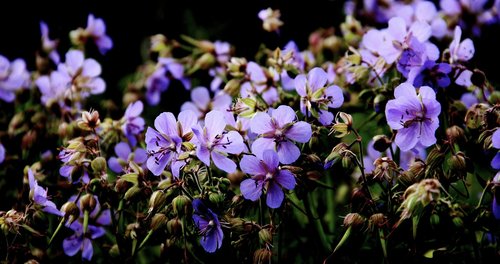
[(415, 116), (209, 226), (201, 103), (430, 74), (83, 73), (96, 29), (13, 77), (54, 88), (83, 242), (406, 158), (125, 156), (158, 82), (277, 132), (132, 122), (164, 146), (265, 174), (2, 153), (39, 196), (495, 140), (495, 206), (214, 142), (222, 51), (461, 51), (49, 46), (259, 84), (316, 97)]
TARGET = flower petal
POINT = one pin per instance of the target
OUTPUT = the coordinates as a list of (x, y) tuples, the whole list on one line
[(288, 152), (122, 150), (407, 138), (317, 78), (252, 165), (87, 249), (222, 162), (286, 179), (283, 115), (274, 195), (91, 68), (262, 144), (251, 189), (300, 132), (72, 245), (200, 97), (301, 85), (261, 123)]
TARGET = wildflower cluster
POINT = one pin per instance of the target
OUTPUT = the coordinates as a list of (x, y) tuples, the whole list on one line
[(382, 136)]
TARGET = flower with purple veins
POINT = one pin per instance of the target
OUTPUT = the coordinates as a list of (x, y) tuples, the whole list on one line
[(96, 29), (495, 140), (277, 131), (80, 241), (431, 74), (49, 46), (39, 196), (132, 122), (125, 156), (266, 174), (214, 143), (83, 73), (209, 226), (201, 102), (316, 96), (259, 83), (13, 77), (414, 115)]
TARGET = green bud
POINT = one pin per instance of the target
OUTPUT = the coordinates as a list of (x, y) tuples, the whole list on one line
[(157, 200), (181, 205), (224, 184), (114, 251), (95, 185), (164, 184), (158, 221), (71, 211), (457, 222), (174, 227), (457, 162), (88, 202), (99, 164), (494, 98), (216, 198), (434, 220), (266, 236), (133, 192)]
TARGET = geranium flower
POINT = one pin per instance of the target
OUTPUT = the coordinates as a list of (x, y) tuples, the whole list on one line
[(209, 226), (132, 122), (39, 196), (125, 156)]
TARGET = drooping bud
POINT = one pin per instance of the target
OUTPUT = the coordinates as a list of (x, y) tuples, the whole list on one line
[(174, 227), (181, 205), (157, 201), (455, 134), (99, 164), (132, 193), (385, 168), (381, 143), (266, 236), (70, 211), (158, 221), (377, 220), (88, 202), (354, 219), (262, 255)]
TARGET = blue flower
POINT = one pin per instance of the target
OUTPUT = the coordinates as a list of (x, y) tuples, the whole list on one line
[(209, 226)]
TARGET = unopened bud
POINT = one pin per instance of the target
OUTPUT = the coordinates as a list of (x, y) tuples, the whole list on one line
[(434, 220), (88, 202), (158, 221), (216, 198), (475, 116), (164, 184), (174, 227), (381, 143), (95, 185), (99, 164), (378, 220), (494, 98), (157, 200), (224, 184), (455, 134), (232, 87), (262, 255), (121, 186), (114, 251), (457, 162), (181, 205), (266, 236), (458, 222), (132, 193), (70, 211), (354, 219)]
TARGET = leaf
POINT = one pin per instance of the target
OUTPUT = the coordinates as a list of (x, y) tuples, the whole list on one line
[(30, 229)]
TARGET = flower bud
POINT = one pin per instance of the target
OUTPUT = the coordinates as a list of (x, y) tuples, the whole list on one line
[(121, 186), (262, 255), (378, 220), (164, 184), (235, 178), (266, 236), (95, 185), (354, 219), (132, 193), (90, 120), (457, 222), (475, 116), (174, 227), (204, 62), (434, 220), (99, 164), (457, 162), (381, 143), (494, 98), (216, 198), (181, 205), (88, 202), (237, 224), (455, 134), (114, 251), (70, 211), (224, 184), (158, 221), (379, 103), (157, 200)]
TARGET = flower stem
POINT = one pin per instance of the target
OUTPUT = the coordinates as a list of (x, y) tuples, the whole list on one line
[(86, 215), (57, 230), (310, 208)]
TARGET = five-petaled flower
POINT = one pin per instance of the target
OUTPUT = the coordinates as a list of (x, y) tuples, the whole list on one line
[(209, 226), (39, 195), (266, 175), (132, 122), (414, 115)]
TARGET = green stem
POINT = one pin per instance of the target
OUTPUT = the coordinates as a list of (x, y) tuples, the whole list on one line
[(310, 209), (482, 195), (57, 230), (86, 215), (145, 239), (383, 243)]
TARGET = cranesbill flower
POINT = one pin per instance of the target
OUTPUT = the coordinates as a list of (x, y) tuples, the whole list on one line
[(54, 88), (132, 122), (414, 115), (81, 241), (49, 46), (266, 174), (96, 29), (277, 131), (209, 226), (83, 73), (495, 140), (259, 83), (201, 103), (461, 51), (316, 96), (13, 77), (39, 196), (406, 158), (214, 142), (430, 74), (125, 156), (158, 82)]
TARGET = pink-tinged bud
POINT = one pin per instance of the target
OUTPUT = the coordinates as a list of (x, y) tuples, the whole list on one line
[(90, 120), (158, 221), (88, 202), (378, 220), (71, 211), (262, 255), (354, 219)]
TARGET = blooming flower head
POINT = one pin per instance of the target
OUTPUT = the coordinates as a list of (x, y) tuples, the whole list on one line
[(430, 74), (81, 241), (54, 88), (414, 115), (164, 144), (49, 46), (125, 156), (214, 143), (83, 74), (495, 140), (132, 122), (201, 103), (209, 226), (39, 196), (158, 82), (260, 82), (277, 131), (316, 97), (271, 19), (266, 174), (96, 30), (13, 77), (461, 51)]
